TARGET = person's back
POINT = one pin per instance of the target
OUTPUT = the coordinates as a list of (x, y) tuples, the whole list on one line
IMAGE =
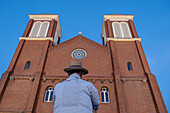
[(75, 96)]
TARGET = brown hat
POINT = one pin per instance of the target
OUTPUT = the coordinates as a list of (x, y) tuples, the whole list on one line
[(76, 65)]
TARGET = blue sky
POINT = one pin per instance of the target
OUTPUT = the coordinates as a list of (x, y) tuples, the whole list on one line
[(151, 21)]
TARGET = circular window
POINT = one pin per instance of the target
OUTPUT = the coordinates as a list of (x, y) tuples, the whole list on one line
[(79, 54)]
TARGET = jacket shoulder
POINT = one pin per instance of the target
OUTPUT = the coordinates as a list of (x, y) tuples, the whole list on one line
[(86, 82), (59, 85)]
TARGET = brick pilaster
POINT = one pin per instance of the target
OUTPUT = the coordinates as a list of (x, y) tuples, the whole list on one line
[(159, 102), (38, 75), (142, 57), (157, 96), (51, 28), (109, 27), (132, 26), (118, 87), (28, 28)]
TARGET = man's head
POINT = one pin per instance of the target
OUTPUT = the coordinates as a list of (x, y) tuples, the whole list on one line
[(76, 67), (76, 71)]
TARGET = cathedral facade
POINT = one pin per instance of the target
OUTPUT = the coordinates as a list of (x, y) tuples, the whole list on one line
[(118, 68)]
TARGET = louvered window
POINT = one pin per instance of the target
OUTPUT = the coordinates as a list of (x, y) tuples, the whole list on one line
[(125, 29), (117, 30), (39, 29), (35, 29), (43, 29), (121, 30)]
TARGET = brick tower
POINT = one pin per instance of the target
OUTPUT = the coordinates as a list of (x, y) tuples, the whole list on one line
[(118, 68)]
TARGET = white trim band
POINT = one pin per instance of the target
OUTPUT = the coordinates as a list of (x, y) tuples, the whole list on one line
[(28, 38), (124, 39)]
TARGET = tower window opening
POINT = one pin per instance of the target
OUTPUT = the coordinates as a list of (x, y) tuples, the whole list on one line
[(27, 65), (129, 66), (104, 95), (39, 29), (49, 94), (121, 30)]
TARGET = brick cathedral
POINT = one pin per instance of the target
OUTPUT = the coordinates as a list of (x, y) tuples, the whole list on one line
[(118, 68)]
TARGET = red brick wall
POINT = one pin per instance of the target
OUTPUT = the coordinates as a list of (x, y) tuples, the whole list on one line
[(45, 107), (16, 95), (31, 51), (41, 106), (127, 51), (97, 61), (138, 97)]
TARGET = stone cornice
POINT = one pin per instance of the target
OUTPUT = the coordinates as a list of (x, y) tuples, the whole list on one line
[(118, 17), (44, 16), (123, 39), (35, 38)]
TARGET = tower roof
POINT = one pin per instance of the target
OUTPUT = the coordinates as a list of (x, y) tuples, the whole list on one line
[(47, 17), (115, 17)]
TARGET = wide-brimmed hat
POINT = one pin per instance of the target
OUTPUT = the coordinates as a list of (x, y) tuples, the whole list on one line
[(76, 65)]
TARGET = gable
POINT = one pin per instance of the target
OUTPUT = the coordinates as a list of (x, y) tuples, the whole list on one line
[(78, 39), (97, 61)]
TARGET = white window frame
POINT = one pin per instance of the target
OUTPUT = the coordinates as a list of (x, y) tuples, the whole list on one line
[(121, 30), (52, 90), (105, 95), (32, 29), (39, 30), (115, 32), (38, 33), (127, 28)]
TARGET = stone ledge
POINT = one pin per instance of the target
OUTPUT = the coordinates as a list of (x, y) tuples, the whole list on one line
[(36, 38)]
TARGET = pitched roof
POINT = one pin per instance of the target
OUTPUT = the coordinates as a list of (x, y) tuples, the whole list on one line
[(75, 38)]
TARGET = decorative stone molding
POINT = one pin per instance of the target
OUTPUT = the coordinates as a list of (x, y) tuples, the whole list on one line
[(144, 80), (31, 79), (110, 81), (123, 80), (44, 80), (52, 80), (12, 78), (102, 81), (118, 17), (123, 39), (36, 38), (43, 16), (61, 80)]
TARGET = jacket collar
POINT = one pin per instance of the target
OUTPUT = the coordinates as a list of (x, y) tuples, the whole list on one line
[(73, 76)]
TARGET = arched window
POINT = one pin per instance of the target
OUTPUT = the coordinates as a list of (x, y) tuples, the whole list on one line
[(126, 30), (35, 29), (27, 65), (43, 29), (39, 29), (129, 66), (104, 95), (121, 30), (49, 94), (117, 30)]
